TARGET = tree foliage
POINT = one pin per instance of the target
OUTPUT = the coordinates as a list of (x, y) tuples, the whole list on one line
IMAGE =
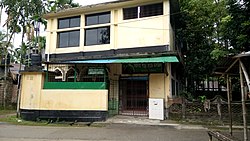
[(25, 15), (5, 49), (237, 25), (201, 31), (55, 5), (213, 29)]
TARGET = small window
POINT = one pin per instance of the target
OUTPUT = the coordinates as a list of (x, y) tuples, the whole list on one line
[(70, 76), (97, 36), (58, 76), (130, 13), (100, 18), (69, 22), (68, 39), (143, 11), (151, 10)]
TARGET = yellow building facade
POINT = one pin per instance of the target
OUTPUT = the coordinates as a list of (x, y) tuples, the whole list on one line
[(105, 59)]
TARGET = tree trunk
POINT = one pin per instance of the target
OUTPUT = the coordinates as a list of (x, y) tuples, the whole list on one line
[(5, 82)]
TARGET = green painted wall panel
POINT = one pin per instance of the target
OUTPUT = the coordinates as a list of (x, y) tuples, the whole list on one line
[(75, 85)]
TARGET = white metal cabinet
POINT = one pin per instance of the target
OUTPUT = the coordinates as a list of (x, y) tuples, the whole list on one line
[(156, 108)]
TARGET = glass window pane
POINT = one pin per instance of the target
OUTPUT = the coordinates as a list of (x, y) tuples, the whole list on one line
[(130, 13), (75, 22), (151, 10), (103, 35), (91, 37), (91, 20), (63, 23), (63, 39), (100, 18), (74, 38), (104, 18)]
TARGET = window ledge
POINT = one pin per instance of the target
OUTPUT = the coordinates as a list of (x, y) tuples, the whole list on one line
[(143, 18), (61, 48), (97, 25), (68, 29)]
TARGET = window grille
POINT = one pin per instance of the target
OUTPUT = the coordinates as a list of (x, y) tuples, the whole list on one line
[(130, 13), (151, 10), (143, 11)]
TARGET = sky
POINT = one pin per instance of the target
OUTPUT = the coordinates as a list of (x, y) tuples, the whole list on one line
[(87, 2), (17, 38)]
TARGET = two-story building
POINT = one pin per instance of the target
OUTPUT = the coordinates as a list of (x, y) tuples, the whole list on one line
[(103, 59)]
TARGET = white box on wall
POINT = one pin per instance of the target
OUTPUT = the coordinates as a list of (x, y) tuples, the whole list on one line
[(156, 108)]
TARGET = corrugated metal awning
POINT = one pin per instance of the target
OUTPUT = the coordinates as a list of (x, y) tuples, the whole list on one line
[(164, 59)]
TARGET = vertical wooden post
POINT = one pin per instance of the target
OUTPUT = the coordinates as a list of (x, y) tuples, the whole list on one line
[(208, 84), (210, 137), (245, 74), (75, 74), (243, 103), (183, 108), (219, 108), (229, 104)]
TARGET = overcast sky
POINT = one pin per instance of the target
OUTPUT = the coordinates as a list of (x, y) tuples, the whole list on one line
[(87, 2)]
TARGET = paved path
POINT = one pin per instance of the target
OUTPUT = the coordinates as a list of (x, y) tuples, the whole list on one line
[(117, 129), (116, 132), (145, 121)]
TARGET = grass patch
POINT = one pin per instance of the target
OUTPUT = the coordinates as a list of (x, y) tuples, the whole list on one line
[(8, 107), (18, 121), (6, 112)]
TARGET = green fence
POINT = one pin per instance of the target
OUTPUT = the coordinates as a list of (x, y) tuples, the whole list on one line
[(75, 85)]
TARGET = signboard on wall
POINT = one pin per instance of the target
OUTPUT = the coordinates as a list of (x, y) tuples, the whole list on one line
[(142, 68)]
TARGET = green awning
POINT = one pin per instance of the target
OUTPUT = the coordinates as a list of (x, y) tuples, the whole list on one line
[(164, 59), (149, 60)]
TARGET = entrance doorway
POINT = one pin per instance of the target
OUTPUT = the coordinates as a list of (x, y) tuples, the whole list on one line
[(134, 96)]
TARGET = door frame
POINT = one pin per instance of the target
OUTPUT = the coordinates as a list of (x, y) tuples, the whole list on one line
[(134, 111)]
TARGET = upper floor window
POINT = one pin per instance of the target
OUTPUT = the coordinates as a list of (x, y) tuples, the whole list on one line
[(151, 10), (69, 22), (100, 18), (143, 11), (97, 36), (100, 34), (130, 13), (68, 39)]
